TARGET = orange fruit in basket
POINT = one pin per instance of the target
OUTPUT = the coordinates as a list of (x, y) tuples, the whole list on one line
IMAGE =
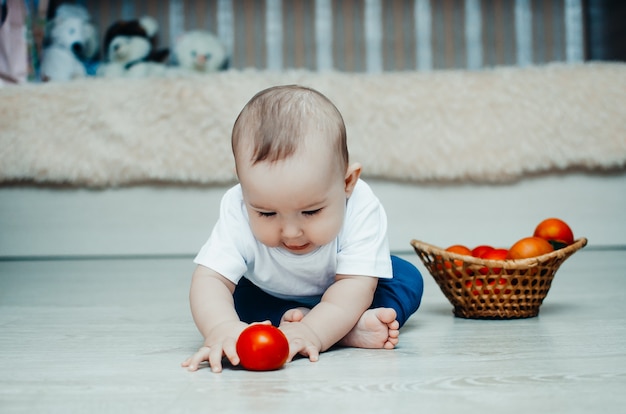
[(459, 249), (479, 251), (458, 264), (557, 232), (529, 247)]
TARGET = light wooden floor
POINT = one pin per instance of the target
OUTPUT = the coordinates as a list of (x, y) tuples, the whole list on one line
[(108, 336)]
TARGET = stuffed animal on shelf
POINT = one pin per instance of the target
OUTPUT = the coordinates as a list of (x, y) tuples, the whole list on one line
[(70, 42), (200, 51), (130, 50)]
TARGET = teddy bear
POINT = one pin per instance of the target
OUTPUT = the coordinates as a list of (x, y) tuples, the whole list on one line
[(200, 51), (69, 44), (130, 50)]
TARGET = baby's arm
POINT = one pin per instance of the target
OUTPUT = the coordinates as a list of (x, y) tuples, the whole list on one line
[(341, 306), (213, 311)]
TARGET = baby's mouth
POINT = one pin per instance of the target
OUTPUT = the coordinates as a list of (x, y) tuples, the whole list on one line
[(297, 248)]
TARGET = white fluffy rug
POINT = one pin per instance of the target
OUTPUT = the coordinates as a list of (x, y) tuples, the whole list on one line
[(445, 126)]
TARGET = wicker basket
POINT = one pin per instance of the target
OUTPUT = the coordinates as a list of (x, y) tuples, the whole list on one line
[(491, 289)]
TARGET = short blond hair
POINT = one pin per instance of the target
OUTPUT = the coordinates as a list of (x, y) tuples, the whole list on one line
[(274, 122)]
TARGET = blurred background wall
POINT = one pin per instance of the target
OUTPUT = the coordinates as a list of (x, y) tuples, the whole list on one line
[(386, 35)]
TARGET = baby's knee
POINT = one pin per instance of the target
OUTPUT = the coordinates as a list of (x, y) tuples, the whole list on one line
[(409, 275)]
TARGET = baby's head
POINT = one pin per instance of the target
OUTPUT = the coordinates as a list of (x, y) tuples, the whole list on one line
[(291, 157), (280, 121)]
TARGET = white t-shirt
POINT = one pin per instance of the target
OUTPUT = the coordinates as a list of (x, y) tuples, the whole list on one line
[(361, 248)]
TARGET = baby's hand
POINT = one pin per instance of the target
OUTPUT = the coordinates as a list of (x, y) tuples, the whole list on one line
[(302, 340), (221, 341)]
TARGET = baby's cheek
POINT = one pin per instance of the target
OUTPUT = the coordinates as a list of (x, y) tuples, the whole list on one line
[(325, 231), (265, 234)]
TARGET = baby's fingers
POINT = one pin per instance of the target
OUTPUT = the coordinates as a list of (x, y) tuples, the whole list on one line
[(230, 350), (312, 352), (298, 347), (215, 358), (196, 359)]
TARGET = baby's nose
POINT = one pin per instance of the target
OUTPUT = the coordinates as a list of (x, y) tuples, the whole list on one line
[(291, 229)]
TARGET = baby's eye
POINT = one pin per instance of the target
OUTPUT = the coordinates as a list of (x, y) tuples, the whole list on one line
[(311, 212), (266, 214)]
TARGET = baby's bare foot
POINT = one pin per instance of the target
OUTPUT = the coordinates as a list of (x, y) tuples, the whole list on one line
[(377, 328), (294, 315)]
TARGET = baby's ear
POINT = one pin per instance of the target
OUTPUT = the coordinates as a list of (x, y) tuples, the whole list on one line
[(352, 176)]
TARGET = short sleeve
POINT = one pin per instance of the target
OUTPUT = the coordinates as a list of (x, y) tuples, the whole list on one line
[(363, 247), (224, 251)]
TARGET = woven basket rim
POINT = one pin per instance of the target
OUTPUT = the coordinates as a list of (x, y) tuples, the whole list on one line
[(506, 264)]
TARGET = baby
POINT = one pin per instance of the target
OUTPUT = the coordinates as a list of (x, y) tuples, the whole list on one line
[(301, 241)]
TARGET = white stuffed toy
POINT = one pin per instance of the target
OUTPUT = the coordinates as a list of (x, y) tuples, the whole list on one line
[(200, 51), (130, 50), (70, 42)]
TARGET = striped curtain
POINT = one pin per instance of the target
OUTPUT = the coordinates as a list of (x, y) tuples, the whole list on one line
[(370, 35)]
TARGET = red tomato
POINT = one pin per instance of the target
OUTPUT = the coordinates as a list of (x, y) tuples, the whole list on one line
[(495, 254), (479, 251), (556, 231), (529, 247), (262, 348)]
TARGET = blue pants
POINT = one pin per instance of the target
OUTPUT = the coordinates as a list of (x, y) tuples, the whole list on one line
[(403, 293)]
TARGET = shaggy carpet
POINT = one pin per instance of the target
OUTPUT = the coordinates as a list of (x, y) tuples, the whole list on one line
[(487, 126)]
